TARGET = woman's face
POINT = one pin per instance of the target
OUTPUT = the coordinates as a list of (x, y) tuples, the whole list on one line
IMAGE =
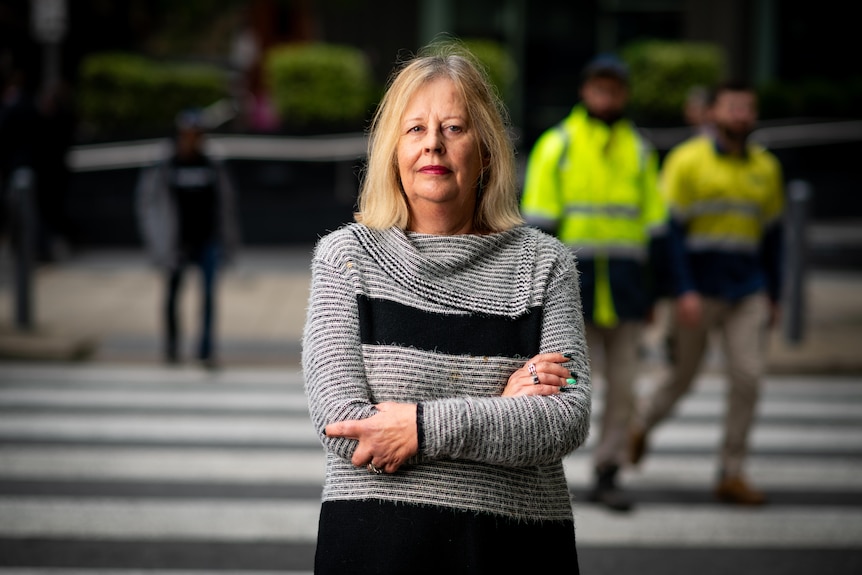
[(438, 152)]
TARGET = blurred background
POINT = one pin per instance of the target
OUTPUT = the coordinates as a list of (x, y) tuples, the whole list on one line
[(122, 465), (289, 85)]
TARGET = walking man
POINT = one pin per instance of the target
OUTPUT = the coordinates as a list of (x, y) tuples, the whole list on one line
[(726, 200), (592, 181)]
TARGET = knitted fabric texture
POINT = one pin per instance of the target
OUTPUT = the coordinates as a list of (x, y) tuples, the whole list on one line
[(374, 297)]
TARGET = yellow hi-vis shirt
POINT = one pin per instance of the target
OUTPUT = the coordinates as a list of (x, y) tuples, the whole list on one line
[(725, 202), (596, 187)]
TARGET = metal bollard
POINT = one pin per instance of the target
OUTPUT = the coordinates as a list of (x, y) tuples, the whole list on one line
[(795, 259), (23, 219)]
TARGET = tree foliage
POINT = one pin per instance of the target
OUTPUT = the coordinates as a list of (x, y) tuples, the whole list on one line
[(663, 72)]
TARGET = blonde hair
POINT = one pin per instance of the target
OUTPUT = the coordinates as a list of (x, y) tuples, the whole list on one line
[(382, 203)]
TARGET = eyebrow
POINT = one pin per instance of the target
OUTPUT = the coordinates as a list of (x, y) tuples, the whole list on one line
[(422, 119)]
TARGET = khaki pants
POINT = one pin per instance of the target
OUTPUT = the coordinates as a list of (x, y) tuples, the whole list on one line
[(619, 348), (743, 330)]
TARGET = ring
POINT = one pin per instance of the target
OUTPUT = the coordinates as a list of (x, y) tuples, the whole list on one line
[(531, 367), (374, 469)]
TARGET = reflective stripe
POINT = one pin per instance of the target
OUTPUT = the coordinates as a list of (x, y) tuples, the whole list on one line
[(721, 243), (712, 207), (610, 210), (604, 314), (637, 253), (658, 229)]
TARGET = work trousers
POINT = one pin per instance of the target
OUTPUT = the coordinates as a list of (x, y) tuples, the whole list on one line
[(615, 352), (207, 261), (742, 327)]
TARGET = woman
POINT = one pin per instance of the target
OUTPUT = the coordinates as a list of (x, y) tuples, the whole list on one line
[(443, 351)]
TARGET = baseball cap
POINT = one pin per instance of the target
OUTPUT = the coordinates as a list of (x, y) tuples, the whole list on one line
[(607, 65)]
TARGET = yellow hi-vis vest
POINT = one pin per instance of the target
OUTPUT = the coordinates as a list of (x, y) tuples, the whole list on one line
[(596, 187)]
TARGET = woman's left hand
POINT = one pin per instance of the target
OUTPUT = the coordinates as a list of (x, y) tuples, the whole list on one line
[(387, 439), (543, 374)]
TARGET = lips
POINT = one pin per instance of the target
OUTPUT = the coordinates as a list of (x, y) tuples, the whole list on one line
[(435, 170)]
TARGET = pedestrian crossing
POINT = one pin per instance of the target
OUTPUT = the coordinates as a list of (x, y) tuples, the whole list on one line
[(114, 470)]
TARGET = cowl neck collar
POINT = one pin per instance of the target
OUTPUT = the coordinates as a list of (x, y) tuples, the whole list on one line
[(466, 271)]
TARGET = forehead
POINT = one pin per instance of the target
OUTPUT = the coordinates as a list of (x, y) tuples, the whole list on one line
[(735, 98), (439, 92), (606, 83)]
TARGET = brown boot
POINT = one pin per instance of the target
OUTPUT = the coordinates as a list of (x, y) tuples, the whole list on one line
[(637, 444), (737, 491)]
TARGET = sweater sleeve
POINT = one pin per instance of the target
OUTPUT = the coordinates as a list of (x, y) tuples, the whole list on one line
[(335, 381), (528, 430)]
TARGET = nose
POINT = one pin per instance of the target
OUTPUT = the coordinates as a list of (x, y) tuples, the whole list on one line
[(434, 142)]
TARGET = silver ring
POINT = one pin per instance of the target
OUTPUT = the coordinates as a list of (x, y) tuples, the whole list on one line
[(531, 367), (374, 469)]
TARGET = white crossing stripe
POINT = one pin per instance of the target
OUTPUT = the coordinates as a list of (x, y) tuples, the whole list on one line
[(60, 571), (275, 520), (74, 431)]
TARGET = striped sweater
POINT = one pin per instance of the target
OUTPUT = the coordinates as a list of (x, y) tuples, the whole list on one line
[(445, 320)]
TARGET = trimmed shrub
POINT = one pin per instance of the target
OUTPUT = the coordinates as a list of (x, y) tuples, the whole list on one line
[(662, 73), (126, 95), (810, 97), (319, 86)]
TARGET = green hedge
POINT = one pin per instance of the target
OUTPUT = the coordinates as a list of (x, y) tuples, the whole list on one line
[(662, 72), (319, 86), (127, 95), (812, 97)]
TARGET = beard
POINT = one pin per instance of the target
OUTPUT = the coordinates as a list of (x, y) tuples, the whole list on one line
[(735, 134), (609, 118)]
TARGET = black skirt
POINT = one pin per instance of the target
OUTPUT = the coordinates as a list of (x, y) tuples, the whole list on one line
[(382, 537)]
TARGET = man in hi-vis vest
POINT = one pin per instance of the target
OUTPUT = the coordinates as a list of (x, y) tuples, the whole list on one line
[(592, 181)]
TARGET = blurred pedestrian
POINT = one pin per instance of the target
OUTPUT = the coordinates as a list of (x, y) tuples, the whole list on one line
[(19, 127), (187, 216), (696, 110), (592, 181), (726, 200), (438, 349)]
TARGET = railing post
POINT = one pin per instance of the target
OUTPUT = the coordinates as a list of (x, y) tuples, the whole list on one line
[(23, 220), (795, 259)]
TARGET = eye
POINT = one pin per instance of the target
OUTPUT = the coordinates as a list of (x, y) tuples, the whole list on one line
[(454, 128), (414, 129)]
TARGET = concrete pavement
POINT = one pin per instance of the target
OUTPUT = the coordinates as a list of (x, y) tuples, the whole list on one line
[(104, 306)]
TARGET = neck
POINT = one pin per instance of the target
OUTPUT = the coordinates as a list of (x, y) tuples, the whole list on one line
[(441, 223)]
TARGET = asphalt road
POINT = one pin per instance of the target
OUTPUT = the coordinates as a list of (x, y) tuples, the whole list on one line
[(115, 469)]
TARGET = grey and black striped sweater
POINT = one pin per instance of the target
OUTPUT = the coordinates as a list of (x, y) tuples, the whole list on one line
[(445, 320)]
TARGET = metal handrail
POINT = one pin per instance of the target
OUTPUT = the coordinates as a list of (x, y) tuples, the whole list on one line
[(139, 153), (348, 147)]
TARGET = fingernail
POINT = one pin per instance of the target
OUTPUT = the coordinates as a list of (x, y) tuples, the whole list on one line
[(568, 355), (574, 375), (571, 381)]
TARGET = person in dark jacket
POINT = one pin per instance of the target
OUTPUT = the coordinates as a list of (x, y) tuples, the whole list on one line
[(187, 216)]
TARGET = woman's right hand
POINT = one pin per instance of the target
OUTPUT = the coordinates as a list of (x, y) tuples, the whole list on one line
[(549, 371)]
